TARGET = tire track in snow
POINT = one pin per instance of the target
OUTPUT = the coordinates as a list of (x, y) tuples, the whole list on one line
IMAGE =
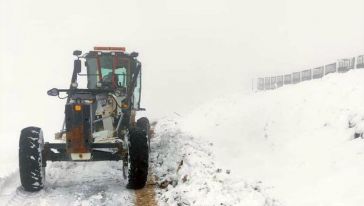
[(7, 180), (7, 194), (146, 195), (11, 193), (19, 196), (93, 183)]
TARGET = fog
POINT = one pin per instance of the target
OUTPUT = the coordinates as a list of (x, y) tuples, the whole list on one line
[(191, 51)]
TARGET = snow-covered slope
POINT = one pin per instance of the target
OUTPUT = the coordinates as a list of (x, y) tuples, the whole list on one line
[(297, 140), (186, 173)]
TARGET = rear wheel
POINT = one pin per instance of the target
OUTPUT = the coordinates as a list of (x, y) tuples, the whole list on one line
[(138, 158), (32, 172), (144, 124)]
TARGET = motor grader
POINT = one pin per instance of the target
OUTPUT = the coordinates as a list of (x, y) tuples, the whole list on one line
[(99, 123)]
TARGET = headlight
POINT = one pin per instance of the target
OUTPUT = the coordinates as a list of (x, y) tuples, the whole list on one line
[(74, 85), (77, 107)]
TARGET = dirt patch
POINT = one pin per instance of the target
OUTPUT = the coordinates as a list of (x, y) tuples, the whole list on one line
[(146, 196)]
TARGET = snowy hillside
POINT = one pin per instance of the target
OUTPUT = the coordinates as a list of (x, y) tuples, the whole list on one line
[(298, 141)]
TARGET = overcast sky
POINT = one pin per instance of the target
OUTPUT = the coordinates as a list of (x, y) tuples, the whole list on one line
[(191, 50)]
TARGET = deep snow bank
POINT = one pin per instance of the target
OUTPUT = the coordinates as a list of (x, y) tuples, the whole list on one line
[(297, 139), (186, 174)]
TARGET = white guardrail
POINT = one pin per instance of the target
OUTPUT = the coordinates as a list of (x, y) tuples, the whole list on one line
[(341, 65)]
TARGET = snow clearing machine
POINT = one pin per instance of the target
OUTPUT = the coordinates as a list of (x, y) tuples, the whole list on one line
[(100, 120)]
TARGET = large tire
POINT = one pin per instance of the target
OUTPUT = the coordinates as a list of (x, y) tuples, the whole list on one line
[(138, 158), (31, 145), (144, 124)]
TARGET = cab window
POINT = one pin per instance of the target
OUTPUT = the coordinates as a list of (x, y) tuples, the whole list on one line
[(106, 63), (137, 91)]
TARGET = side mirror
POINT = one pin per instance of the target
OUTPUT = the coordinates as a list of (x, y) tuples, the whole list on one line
[(53, 92), (77, 66), (134, 54), (77, 53)]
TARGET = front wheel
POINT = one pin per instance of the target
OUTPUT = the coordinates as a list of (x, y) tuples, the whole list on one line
[(138, 158), (32, 172)]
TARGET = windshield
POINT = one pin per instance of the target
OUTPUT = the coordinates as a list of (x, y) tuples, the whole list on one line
[(100, 68)]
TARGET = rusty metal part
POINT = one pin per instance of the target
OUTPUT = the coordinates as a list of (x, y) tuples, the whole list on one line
[(76, 141), (132, 118)]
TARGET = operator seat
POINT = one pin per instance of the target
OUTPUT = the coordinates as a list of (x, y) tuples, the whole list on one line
[(107, 79)]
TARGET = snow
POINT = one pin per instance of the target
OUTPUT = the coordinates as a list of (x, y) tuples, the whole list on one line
[(298, 140), (292, 146), (67, 183), (187, 175), (9, 154), (70, 183)]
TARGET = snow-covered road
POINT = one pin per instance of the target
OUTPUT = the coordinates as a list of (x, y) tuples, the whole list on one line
[(182, 166), (67, 183)]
